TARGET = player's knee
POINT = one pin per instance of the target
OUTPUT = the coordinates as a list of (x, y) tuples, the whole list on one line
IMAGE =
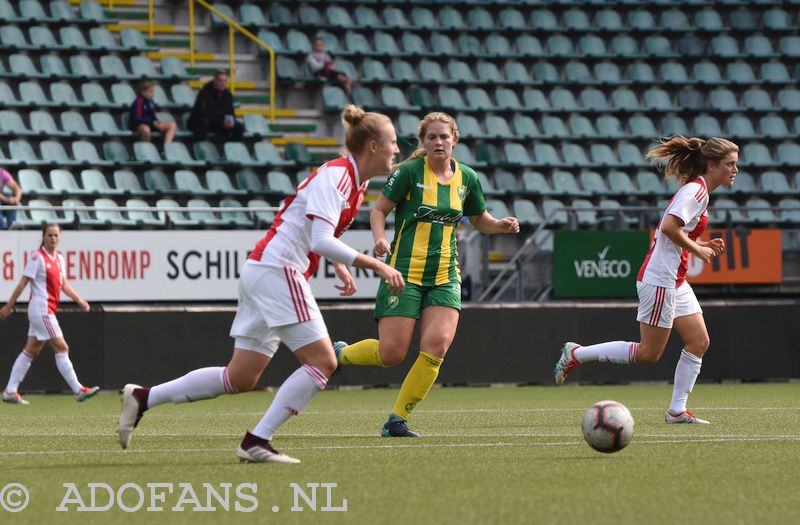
[(699, 346), (243, 382), (327, 365), (648, 354)]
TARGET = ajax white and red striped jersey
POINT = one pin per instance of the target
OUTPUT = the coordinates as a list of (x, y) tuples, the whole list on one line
[(333, 193), (666, 263), (46, 273)]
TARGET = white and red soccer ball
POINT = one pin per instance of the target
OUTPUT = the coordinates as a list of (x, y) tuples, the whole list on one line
[(608, 426)]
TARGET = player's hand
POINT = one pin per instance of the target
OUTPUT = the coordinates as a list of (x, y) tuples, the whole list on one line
[(84, 305), (381, 248), (394, 279), (718, 245), (705, 253), (348, 286), (509, 225), (5, 312)]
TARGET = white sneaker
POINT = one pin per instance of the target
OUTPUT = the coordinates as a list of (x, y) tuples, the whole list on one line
[(129, 415), (687, 416), (256, 450), (14, 398), (85, 393)]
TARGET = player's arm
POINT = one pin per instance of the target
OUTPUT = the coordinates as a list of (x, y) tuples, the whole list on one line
[(672, 227), (349, 286), (72, 294), (377, 223), (5, 311), (325, 243), (485, 223)]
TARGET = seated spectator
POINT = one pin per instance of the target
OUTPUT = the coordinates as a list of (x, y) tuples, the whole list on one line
[(213, 111), (7, 217), (142, 117), (320, 64)]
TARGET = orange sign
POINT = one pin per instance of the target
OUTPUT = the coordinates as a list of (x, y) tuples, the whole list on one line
[(751, 257)]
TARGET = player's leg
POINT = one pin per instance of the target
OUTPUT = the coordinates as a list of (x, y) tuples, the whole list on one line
[(310, 343), (437, 329), (144, 132), (396, 316), (20, 369), (691, 326), (67, 371)]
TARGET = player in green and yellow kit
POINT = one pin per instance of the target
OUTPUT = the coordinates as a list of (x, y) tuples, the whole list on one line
[(429, 192)]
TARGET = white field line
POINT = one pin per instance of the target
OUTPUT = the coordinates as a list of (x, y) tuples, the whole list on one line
[(144, 434), (391, 446), (23, 416)]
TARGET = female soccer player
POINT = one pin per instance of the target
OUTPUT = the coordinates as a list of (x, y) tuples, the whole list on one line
[(431, 191), (665, 298), (45, 272), (275, 300)]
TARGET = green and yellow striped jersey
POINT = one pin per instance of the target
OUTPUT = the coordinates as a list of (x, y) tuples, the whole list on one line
[(426, 217)]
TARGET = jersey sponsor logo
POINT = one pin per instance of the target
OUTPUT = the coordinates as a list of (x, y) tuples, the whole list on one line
[(393, 301), (432, 214), (420, 185), (461, 191), (602, 267)]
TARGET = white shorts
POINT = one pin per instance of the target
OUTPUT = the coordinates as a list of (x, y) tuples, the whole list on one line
[(275, 304), (44, 327), (659, 306)]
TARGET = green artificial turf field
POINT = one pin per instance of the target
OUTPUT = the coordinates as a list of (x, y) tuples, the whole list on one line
[(489, 455)]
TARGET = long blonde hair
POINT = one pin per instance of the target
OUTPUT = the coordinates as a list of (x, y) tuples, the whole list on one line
[(422, 129), (361, 126), (688, 158)]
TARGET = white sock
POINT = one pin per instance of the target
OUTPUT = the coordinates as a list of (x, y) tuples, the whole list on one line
[(203, 383), (64, 366), (622, 352), (18, 371), (294, 394), (686, 372)]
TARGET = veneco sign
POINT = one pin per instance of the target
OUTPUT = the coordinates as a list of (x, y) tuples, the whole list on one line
[(163, 266)]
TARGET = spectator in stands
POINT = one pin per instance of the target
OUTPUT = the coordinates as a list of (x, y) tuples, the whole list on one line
[(213, 111), (665, 298), (275, 299), (429, 192), (320, 64), (45, 271), (142, 115), (7, 217)]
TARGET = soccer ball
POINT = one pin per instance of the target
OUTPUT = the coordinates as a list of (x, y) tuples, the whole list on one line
[(608, 426)]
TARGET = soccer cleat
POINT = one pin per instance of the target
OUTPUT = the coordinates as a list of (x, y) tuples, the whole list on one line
[(396, 427), (85, 393), (257, 450), (566, 362), (687, 416), (338, 346), (130, 414), (14, 398)]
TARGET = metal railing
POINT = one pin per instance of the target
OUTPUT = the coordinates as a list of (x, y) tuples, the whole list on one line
[(233, 26)]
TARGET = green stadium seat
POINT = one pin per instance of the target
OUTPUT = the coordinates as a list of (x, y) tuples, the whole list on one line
[(546, 72), (722, 99), (516, 154), (528, 45), (593, 182), (649, 183), (122, 94), (418, 96), (374, 70), (789, 98), (789, 210), (480, 18), (573, 154), (248, 181), (487, 70), (757, 155), (45, 214), (486, 185), (53, 67), (42, 37), (394, 17), (743, 19), (560, 45), (102, 122), (91, 10), (775, 182), (525, 126), (206, 151), (486, 153), (553, 126), (32, 10), (641, 72), (708, 20), (237, 153), (511, 18), (478, 99), (546, 154), (403, 71), (497, 208), (745, 183), (267, 154), (443, 44), (218, 182), (740, 72), (127, 183), (334, 99), (142, 217), (356, 43), (93, 94), (642, 126), (21, 152), (672, 125), (607, 72), (775, 72), (63, 182), (563, 99), (61, 94), (608, 20), (578, 72), (176, 218), (413, 44), (182, 95), (463, 154), (199, 212), (722, 210), (624, 45), (364, 97), (53, 153), (553, 213), (706, 72), (508, 99), (773, 126), (657, 45), (33, 184), (280, 14), (385, 44), (176, 153), (497, 126), (430, 70), (691, 45), (543, 19), (11, 124), (776, 19), (336, 15), (705, 126), (507, 182), (226, 10), (156, 181), (116, 152), (367, 17), (789, 46), (22, 65), (576, 19), (450, 18), (592, 45), (603, 155), (237, 219), (141, 67), (94, 182), (658, 99), (279, 182), (84, 152), (451, 98), (609, 126), (758, 99), (583, 212), (674, 18), (526, 213), (422, 17), (407, 125), (581, 127), (250, 15), (641, 19), (630, 154), (12, 36), (263, 217), (174, 68), (758, 46), (7, 12), (535, 182), (187, 181), (83, 67), (788, 153), (146, 152), (101, 39), (724, 46), (620, 182), (84, 217), (594, 99)]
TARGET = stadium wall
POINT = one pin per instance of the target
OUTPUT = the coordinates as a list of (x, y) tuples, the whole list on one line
[(508, 343)]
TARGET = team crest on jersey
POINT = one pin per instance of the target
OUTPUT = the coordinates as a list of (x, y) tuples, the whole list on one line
[(393, 301), (462, 192)]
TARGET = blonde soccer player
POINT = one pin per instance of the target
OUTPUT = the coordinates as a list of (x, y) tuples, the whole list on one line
[(666, 300)]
